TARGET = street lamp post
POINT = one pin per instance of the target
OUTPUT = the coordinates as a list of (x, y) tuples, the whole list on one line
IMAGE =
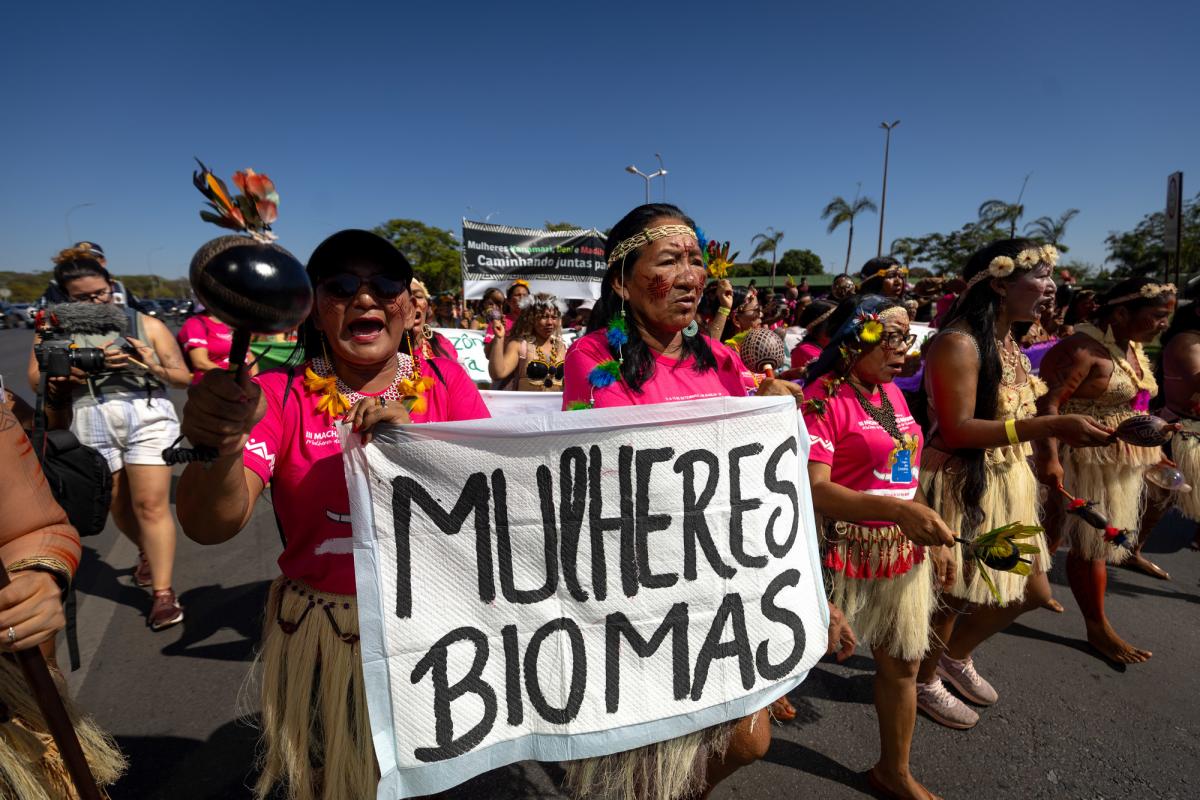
[(663, 170), (887, 146), (67, 217), (660, 173)]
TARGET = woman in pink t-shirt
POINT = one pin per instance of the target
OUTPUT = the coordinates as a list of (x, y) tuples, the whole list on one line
[(862, 465), (279, 429), (644, 347)]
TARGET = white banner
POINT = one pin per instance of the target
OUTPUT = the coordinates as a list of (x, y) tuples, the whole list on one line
[(469, 345), (506, 404), (567, 585)]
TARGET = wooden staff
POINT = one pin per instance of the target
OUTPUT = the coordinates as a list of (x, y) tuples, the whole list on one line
[(45, 692)]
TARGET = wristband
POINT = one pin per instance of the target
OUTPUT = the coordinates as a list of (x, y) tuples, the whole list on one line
[(1010, 428), (723, 310)]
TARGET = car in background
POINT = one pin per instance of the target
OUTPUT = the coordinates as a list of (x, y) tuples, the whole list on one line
[(24, 313), (8, 317)]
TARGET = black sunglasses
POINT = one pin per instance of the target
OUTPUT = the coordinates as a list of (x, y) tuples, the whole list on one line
[(345, 286)]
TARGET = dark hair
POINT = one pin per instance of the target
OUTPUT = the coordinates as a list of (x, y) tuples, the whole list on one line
[(975, 310), (872, 283), (75, 263), (845, 333), (1186, 318), (638, 359), (1127, 287), (532, 307), (487, 296), (335, 253), (512, 287), (813, 311)]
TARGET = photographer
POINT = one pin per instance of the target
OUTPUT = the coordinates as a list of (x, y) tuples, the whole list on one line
[(121, 408)]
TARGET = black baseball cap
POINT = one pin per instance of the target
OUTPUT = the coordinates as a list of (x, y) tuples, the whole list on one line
[(354, 244), (91, 247)]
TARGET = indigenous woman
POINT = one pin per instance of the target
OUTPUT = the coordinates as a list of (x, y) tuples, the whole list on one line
[(531, 360), (1181, 390), (427, 342), (517, 292), (40, 550), (644, 347), (1101, 370), (279, 429), (125, 413), (975, 471), (884, 276), (862, 466), (815, 321), (205, 342)]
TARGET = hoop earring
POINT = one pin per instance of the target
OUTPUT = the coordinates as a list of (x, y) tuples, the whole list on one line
[(692, 328), (426, 331)]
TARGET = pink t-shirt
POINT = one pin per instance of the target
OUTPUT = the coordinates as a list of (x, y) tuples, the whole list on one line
[(804, 353), (673, 380), (295, 448), (210, 334), (858, 450)]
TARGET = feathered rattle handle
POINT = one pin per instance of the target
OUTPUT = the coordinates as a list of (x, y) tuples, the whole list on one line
[(1000, 550), (1086, 510)]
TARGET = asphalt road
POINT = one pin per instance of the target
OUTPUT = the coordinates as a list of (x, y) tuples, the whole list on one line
[(1068, 725)]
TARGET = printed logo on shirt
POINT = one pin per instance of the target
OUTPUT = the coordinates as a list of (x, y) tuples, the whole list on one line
[(826, 443), (260, 449), (320, 438)]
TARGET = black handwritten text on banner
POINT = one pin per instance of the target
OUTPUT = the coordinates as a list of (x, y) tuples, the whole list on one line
[(574, 584)]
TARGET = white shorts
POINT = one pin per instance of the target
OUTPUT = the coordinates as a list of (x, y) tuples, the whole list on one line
[(126, 428)]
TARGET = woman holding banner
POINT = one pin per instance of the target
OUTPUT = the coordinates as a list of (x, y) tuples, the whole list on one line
[(975, 471), (644, 346), (279, 429), (883, 553), (531, 359), (427, 342)]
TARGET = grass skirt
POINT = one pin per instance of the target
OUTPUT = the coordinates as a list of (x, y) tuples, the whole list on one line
[(891, 613), (314, 710), (31, 767), (1185, 451), (672, 770), (1011, 496), (1113, 478)]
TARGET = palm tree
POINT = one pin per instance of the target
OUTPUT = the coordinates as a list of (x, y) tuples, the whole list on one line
[(1052, 231), (839, 211), (905, 249), (767, 243), (994, 213)]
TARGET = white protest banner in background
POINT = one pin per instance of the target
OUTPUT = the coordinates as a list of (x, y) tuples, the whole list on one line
[(502, 403), (469, 345), (567, 585)]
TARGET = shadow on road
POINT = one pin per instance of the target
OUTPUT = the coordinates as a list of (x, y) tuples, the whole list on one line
[(1017, 629), (797, 756), (213, 608), (98, 578)]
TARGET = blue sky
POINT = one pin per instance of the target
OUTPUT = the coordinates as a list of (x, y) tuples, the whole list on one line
[(762, 112)]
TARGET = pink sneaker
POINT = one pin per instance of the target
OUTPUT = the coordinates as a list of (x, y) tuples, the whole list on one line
[(141, 573), (944, 708), (969, 683), (165, 611)]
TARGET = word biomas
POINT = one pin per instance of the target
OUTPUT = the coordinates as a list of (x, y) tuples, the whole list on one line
[(648, 560)]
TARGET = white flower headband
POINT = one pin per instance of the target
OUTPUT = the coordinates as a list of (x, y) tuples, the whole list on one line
[(1003, 266), (1147, 292)]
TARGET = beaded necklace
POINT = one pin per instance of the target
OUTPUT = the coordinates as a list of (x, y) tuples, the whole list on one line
[(900, 460)]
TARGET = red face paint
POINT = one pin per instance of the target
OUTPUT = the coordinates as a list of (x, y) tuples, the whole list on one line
[(659, 287)]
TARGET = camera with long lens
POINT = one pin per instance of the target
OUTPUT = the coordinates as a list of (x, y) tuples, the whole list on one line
[(55, 357), (55, 351)]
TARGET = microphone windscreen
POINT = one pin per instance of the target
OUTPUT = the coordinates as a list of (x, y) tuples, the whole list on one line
[(90, 318), (762, 347)]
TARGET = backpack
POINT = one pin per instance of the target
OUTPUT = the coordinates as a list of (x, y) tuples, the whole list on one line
[(80, 480)]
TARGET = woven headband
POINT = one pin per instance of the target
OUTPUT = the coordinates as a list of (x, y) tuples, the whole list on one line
[(646, 237)]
